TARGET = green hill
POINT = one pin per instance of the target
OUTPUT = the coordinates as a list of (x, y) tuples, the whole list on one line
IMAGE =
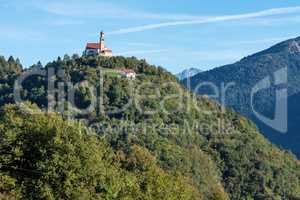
[(166, 144)]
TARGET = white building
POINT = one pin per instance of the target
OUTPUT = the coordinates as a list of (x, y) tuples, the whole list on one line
[(128, 73)]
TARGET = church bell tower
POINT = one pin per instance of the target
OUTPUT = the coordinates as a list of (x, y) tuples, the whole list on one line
[(101, 43)]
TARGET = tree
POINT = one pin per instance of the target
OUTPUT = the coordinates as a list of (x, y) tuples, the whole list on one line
[(44, 157)]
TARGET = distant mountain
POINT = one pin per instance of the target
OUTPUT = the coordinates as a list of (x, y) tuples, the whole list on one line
[(188, 73), (269, 65)]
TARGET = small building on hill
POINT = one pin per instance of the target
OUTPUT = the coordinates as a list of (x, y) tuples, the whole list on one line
[(128, 73), (93, 49)]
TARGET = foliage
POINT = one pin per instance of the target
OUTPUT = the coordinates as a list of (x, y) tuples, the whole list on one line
[(245, 74), (44, 157), (177, 152)]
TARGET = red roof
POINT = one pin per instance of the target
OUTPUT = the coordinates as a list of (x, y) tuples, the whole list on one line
[(92, 46), (127, 71)]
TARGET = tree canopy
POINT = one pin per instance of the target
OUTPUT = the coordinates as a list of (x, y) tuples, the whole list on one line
[(176, 152)]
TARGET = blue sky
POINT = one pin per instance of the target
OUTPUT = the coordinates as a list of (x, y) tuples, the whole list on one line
[(174, 34)]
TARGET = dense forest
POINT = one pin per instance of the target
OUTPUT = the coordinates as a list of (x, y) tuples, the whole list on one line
[(162, 146), (248, 72)]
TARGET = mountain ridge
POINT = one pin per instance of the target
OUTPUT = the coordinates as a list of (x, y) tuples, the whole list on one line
[(247, 72)]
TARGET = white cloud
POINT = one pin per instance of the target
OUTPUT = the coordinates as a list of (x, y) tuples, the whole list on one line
[(72, 9), (206, 20), (279, 20), (104, 10)]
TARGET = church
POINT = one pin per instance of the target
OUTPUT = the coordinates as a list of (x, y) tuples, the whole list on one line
[(93, 49)]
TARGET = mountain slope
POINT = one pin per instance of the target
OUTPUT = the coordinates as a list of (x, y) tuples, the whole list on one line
[(289, 140), (246, 74), (188, 73), (180, 135)]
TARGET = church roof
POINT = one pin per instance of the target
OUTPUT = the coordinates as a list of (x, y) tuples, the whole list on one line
[(92, 46), (96, 46)]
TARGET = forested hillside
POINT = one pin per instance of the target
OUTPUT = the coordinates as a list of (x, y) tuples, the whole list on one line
[(167, 144), (246, 74)]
